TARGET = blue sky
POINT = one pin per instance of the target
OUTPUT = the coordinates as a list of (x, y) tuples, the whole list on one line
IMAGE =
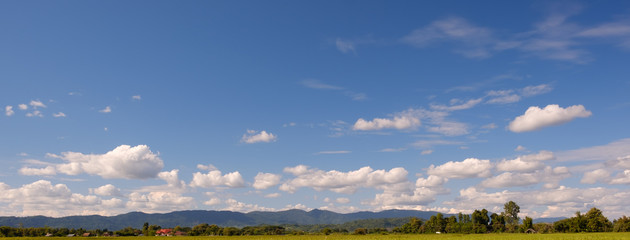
[(156, 106)]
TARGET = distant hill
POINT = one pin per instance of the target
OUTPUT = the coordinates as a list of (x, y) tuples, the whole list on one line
[(221, 218)]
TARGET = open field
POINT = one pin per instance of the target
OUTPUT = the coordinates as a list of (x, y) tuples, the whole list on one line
[(562, 236)]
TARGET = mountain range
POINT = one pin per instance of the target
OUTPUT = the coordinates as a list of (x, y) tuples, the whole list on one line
[(195, 217)]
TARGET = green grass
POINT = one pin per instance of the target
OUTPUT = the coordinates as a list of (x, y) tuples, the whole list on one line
[(558, 236)]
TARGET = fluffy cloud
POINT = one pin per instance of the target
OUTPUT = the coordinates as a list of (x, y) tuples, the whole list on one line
[(536, 118), (214, 178), (123, 162), (469, 168), (342, 182), (398, 122), (172, 179), (136, 97), (23, 106), (527, 163), (253, 136), (44, 198), (106, 190), (266, 180), (550, 176), (234, 205), (598, 175), (159, 202), (8, 110)]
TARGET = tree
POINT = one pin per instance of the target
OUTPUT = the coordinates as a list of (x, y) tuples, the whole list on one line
[(528, 223), (622, 224), (596, 222), (510, 211)]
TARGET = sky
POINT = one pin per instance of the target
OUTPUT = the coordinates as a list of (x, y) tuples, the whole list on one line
[(109, 107)]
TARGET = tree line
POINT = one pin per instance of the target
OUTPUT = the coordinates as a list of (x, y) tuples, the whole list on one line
[(480, 221)]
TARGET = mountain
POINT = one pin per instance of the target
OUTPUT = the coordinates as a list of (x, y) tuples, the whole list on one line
[(195, 217)]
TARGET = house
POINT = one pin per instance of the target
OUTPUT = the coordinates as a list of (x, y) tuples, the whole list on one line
[(86, 235), (164, 232)]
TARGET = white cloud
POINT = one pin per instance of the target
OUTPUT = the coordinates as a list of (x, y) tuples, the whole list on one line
[(59, 114), (214, 178), (23, 106), (236, 206), (172, 179), (401, 122), (526, 163), (8, 110), (213, 201), (449, 128), (136, 97), (597, 175), (345, 46), (520, 148), (342, 200), (44, 198), (621, 178), (342, 182), (469, 168), (550, 176), (536, 118), (503, 97), (208, 167), (266, 180), (107, 109), (36, 104), (106, 190), (253, 136), (123, 162), (436, 142), (47, 171), (155, 202)]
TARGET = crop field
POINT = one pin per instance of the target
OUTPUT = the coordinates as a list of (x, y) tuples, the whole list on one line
[(560, 236)]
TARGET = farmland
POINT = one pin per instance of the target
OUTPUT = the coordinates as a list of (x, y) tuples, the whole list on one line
[(559, 236)]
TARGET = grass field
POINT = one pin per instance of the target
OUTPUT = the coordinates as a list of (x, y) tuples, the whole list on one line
[(560, 236)]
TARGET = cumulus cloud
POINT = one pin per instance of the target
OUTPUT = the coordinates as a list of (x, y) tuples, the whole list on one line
[(536, 118), (597, 175), (549, 176), (425, 192), (526, 163), (172, 179), (123, 162), (136, 97), (106, 190), (44, 198), (107, 109), (23, 106), (469, 168), (154, 202), (8, 110), (253, 136), (214, 178), (266, 180), (342, 182), (35, 113)]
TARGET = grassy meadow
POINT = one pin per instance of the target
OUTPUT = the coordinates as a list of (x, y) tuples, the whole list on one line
[(558, 236)]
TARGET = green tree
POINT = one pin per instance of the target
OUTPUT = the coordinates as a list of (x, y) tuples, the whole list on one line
[(528, 223), (596, 222), (510, 211), (622, 224)]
